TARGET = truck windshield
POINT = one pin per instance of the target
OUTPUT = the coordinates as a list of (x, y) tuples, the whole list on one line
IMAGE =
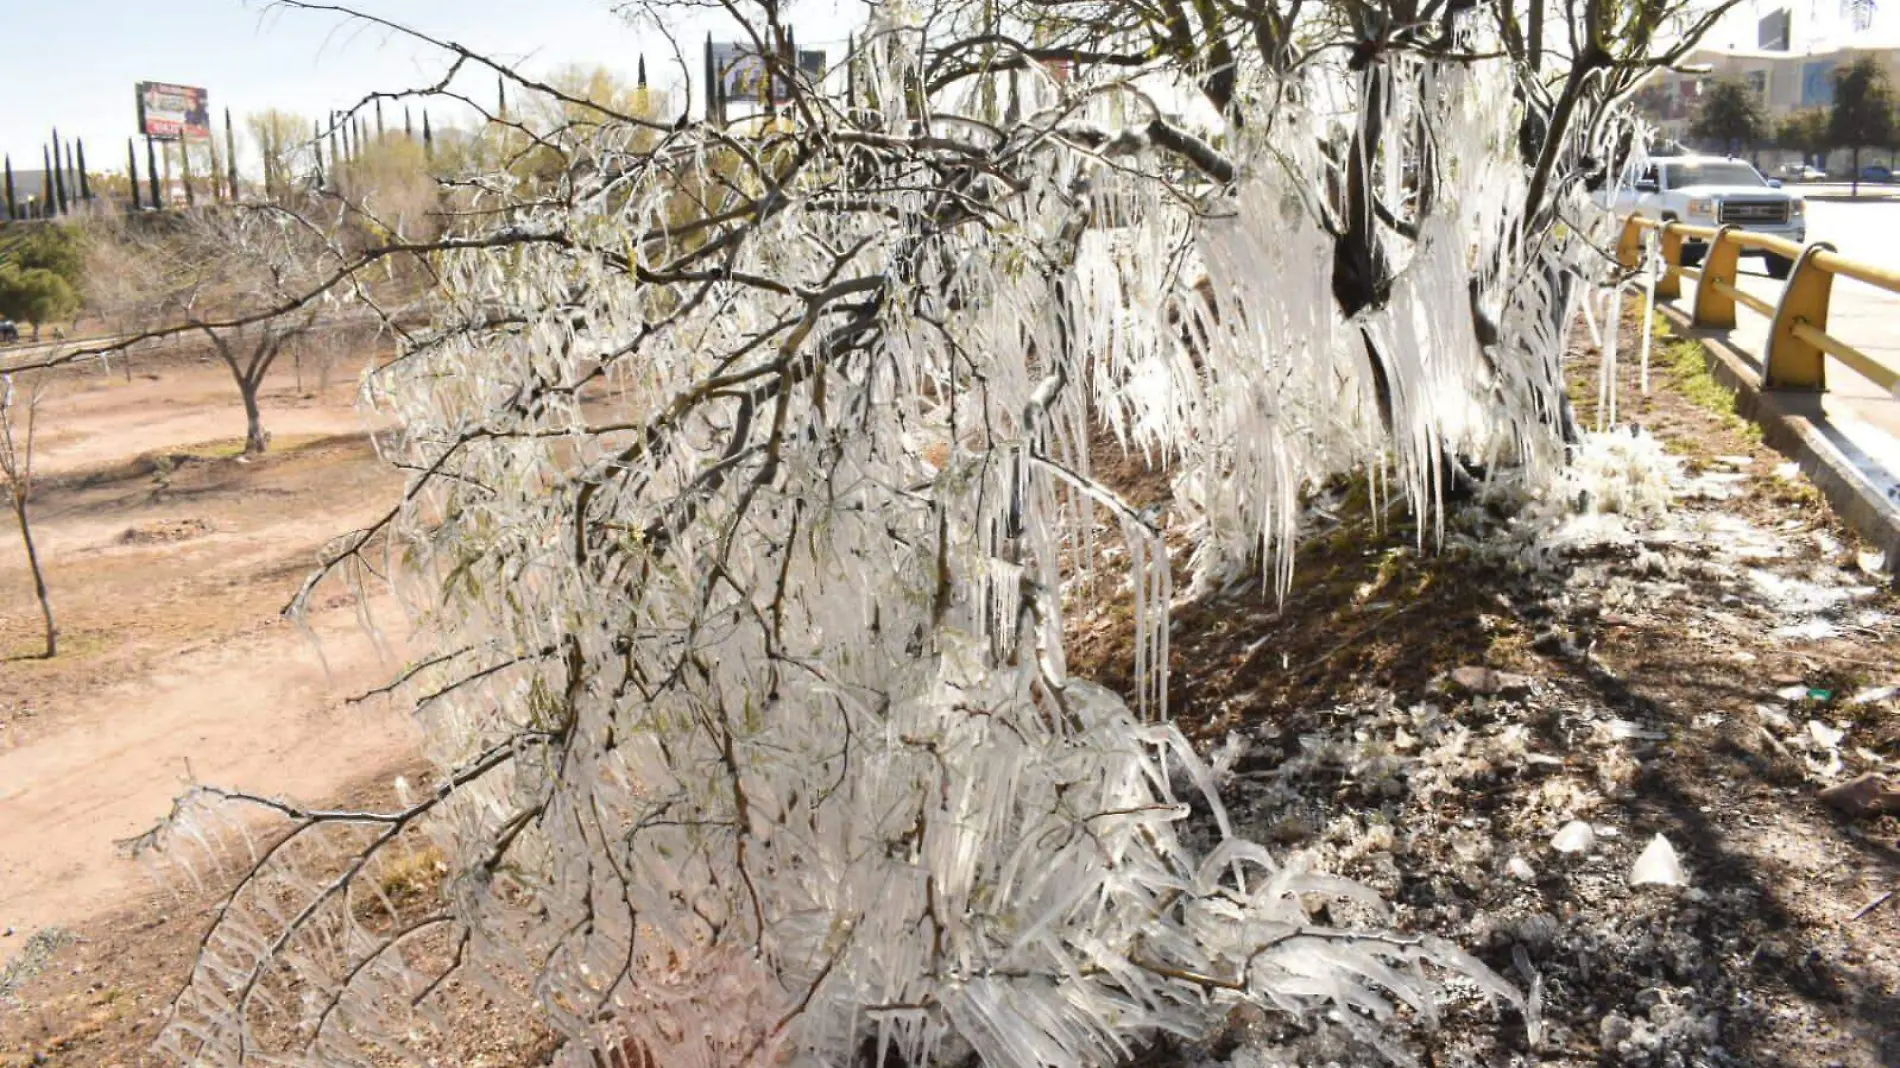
[(1682, 175)]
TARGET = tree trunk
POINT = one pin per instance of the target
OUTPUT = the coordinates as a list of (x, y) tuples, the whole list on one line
[(255, 440), (39, 579), (1855, 175)]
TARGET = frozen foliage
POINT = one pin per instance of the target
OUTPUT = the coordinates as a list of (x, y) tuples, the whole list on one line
[(745, 462)]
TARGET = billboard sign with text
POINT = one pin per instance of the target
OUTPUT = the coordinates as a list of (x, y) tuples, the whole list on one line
[(169, 112), (742, 72)]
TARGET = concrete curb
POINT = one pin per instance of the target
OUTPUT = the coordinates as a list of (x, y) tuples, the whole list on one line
[(1792, 425)]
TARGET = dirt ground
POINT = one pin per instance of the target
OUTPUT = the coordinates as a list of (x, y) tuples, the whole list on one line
[(169, 557), (1422, 720)]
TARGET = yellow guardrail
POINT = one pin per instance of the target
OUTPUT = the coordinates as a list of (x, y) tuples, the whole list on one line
[(1798, 342)]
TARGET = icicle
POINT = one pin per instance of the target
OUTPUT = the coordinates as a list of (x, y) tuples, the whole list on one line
[(1652, 261)]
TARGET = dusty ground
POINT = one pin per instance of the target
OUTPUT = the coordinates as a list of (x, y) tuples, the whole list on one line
[(169, 558), (1684, 679)]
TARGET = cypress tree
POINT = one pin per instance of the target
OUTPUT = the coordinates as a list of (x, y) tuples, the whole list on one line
[(316, 145), (46, 183), (336, 161), (792, 69), (217, 167), (230, 150), (57, 175), (501, 97), (72, 178), (712, 83), (13, 206), (850, 71), (408, 128), (85, 183), (132, 171), (151, 173), (379, 120), (184, 171), (428, 139), (643, 70)]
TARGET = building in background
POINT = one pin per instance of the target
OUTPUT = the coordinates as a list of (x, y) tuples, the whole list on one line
[(1787, 82)]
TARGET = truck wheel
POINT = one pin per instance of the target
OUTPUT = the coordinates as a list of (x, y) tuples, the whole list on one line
[(1779, 267)]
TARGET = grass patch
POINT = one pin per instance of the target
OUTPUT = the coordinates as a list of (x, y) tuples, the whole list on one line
[(1686, 362)]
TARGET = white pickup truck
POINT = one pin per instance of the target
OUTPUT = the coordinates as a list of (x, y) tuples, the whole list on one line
[(1711, 191)]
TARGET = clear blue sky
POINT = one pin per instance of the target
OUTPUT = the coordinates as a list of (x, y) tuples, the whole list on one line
[(73, 63)]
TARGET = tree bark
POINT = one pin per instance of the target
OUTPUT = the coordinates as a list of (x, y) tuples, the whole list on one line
[(255, 440), (39, 577)]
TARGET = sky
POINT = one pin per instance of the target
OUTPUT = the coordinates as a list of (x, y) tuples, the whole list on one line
[(73, 63)]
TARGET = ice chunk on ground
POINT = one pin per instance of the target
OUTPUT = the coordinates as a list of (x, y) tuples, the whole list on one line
[(1872, 694), (1825, 736), (1576, 837), (1658, 866)]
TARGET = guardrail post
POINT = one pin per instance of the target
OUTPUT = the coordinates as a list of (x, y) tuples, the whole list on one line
[(1790, 362), (1713, 309), (1669, 285), (1629, 244)]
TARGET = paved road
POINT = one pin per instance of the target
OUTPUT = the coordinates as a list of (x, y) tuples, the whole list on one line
[(1864, 316), (1863, 418)]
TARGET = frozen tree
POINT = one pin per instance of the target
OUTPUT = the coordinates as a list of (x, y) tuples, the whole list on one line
[(748, 462)]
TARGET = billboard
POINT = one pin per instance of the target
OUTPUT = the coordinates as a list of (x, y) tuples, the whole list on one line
[(1771, 33), (169, 112), (1817, 84), (742, 72)]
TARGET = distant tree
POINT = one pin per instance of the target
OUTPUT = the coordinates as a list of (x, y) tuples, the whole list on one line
[(1804, 131), (1862, 116), (57, 174), (16, 479), (1730, 117), (208, 275), (36, 296), (279, 136), (47, 202), (60, 249), (85, 181), (390, 181)]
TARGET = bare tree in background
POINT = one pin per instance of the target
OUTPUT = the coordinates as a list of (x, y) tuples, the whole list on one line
[(18, 418), (225, 276)]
